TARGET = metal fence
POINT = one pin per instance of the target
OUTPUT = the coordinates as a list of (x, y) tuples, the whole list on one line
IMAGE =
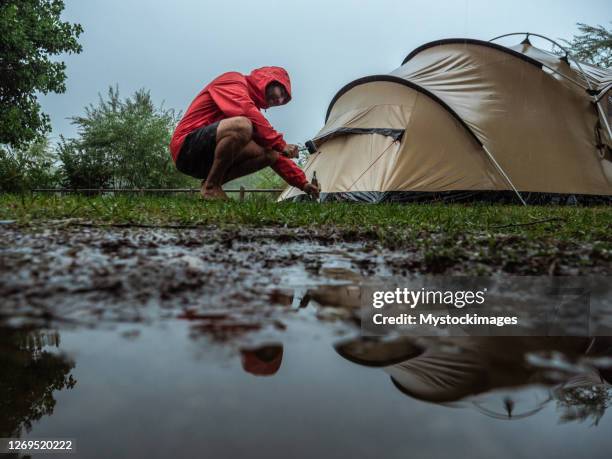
[(242, 191)]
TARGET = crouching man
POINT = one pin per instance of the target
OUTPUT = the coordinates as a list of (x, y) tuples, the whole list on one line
[(223, 134)]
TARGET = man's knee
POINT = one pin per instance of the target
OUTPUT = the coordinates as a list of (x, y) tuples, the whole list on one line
[(242, 128), (238, 128)]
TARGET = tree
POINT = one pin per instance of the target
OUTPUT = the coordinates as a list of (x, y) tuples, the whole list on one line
[(121, 143), (31, 31), (594, 45)]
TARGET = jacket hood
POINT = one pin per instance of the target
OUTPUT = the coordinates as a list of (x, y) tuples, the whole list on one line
[(262, 361), (260, 78)]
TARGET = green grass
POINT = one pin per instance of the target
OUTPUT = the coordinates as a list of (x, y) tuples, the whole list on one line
[(563, 223), (436, 238)]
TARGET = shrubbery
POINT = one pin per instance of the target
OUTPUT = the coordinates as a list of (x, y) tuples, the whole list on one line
[(121, 143), (83, 168), (32, 167)]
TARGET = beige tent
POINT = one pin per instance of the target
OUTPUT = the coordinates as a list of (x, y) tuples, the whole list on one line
[(470, 119)]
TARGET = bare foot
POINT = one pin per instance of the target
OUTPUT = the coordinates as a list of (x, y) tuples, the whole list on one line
[(213, 193)]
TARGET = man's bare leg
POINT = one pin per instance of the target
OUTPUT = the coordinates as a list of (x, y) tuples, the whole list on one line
[(233, 135), (252, 159)]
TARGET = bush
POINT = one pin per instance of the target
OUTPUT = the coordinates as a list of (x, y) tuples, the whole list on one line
[(31, 167), (122, 143), (11, 176), (83, 169)]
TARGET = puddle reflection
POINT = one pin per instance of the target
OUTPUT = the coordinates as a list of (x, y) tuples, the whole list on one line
[(29, 378), (292, 358), (263, 360), (502, 377), (492, 374)]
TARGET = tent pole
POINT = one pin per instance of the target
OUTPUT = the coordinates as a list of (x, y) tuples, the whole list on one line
[(604, 117), (604, 91), (504, 174), (564, 76), (566, 51)]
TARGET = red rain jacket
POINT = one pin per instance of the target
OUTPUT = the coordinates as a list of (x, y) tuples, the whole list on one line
[(235, 94)]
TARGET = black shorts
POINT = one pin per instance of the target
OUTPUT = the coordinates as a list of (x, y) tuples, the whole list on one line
[(198, 151)]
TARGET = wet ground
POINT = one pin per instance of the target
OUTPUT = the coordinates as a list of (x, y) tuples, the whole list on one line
[(157, 342)]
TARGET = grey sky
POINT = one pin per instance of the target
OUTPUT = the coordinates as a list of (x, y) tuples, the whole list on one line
[(173, 48)]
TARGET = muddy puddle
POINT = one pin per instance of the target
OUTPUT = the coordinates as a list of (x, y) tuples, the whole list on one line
[(179, 343)]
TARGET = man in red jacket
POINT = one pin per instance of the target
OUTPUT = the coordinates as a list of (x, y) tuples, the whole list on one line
[(223, 134)]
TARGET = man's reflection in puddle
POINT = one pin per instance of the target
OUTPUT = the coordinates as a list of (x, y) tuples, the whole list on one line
[(264, 360)]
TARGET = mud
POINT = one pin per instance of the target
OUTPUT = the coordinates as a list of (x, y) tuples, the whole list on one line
[(91, 275), (74, 272)]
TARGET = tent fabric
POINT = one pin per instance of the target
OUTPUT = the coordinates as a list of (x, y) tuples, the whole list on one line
[(598, 78), (477, 118)]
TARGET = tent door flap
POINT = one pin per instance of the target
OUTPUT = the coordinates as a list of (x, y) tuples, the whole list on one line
[(395, 134)]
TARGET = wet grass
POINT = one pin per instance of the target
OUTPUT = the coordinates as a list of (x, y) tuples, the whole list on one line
[(582, 223), (535, 239)]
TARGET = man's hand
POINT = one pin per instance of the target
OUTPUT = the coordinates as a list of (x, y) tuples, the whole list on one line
[(311, 190), (291, 151)]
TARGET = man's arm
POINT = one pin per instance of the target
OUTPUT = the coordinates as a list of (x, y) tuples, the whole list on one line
[(232, 98), (290, 172), (294, 176)]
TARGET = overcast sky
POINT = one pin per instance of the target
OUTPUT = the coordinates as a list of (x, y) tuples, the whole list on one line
[(173, 48)]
